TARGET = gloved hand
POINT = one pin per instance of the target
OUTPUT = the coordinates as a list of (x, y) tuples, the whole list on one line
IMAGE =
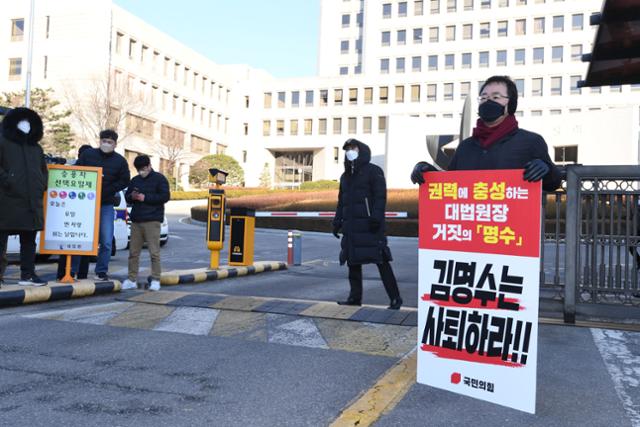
[(535, 170), (419, 169), (336, 229), (374, 225)]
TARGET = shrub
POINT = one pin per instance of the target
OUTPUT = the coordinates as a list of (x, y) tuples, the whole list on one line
[(189, 195), (320, 185), (199, 173)]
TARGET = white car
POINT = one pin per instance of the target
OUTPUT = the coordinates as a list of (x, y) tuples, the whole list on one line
[(120, 233)]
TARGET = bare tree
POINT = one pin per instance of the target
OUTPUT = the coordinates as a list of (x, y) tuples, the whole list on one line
[(171, 148), (104, 103)]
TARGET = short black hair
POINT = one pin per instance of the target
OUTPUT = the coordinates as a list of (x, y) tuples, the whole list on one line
[(109, 134), (141, 161), (512, 90), (83, 148)]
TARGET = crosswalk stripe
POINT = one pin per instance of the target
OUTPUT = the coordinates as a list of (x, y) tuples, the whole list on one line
[(189, 320)]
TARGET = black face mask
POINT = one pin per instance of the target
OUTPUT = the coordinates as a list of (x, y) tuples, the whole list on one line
[(490, 111)]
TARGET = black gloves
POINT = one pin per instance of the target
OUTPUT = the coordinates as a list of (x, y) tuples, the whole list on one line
[(336, 229), (535, 170), (374, 225), (419, 169)]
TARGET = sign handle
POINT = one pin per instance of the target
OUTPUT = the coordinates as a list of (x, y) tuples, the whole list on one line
[(67, 272)]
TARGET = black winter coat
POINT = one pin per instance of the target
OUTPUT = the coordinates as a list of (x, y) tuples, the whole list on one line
[(511, 152), (115, 172), (23, 173), (155, 188), (362, 200)]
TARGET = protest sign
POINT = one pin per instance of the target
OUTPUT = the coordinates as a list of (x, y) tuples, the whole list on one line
[(72, 211), (479, 263)]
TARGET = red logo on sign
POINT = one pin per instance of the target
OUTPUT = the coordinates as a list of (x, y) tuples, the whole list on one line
[(455, 378)]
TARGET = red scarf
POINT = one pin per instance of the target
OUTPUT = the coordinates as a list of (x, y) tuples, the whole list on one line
[(489, 135)]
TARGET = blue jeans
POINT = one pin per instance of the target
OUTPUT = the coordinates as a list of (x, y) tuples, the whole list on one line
[(105, 239)]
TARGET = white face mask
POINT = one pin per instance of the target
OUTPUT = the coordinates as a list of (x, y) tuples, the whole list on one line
[(144, 172), (351, 155), (24, 126), (107, 148)]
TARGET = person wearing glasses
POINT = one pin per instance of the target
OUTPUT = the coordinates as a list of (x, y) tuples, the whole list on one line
[(498, 143)]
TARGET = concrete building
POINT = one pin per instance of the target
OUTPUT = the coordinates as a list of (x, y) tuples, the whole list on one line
[(390, 73)]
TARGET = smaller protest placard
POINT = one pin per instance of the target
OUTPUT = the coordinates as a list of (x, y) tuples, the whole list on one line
[(71, 211)]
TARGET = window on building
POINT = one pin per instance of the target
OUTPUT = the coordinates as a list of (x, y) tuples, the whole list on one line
[(308, 126), (384, 94), (400, 65), (536, 113), (366, 125), (324, 97), (536, 87), (401, 37), (520, 87), (415, 93), (538, 55), (521, 27), (449, 62), (503, 3), (417, 35), (468, 4), (615, 88), (538, 25), (402, 9), (368, 95), (384, 66), (558, 24), (46, 67), (520, 2), (308, 98), (353, 96), (503, 28), (337, 97), (434, 34), (245, 126), (200, 145), (132, 48), (432, 92), (450, 33), (418, 7), (451, 5), (17, 30), (433, 62), (485, 4), (501, 58), (322, 126), (119, 38), (519, 57), (344, 46), (577, 22), (596, 89), (448, 91), (293, 127), (434, 6), (352, 124), (382, 124), (565, 154), (139, 125), (576, 52), (575, 90), (466, 60), (346, 20), (279, 127), (386, 38), (483, 59), (15, 68), (416, 63), (386, 10), (467, 31), (557, 54), (267, 100), (465, 89), (337, 125), (399, 93), (485, 30), (281, 99)]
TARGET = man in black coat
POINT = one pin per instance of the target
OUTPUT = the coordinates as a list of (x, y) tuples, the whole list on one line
[(147, 192), (115, 178), (497, 141), (23, 181), (360, 216)]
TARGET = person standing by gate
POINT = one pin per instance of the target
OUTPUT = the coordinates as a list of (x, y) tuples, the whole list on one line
[(359, 216), (147, 192)]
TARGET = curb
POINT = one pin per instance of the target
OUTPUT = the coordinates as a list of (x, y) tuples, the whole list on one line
[(56, 292), (182, 277)]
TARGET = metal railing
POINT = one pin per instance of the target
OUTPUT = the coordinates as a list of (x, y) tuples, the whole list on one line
[(590, 242)]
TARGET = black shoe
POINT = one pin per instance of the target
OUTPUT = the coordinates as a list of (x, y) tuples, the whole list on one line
[(102, 277), (31, 280), (350, 301), (395, 304)]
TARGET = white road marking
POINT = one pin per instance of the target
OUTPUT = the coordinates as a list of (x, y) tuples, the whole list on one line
[(94, 314), (623, 367), (189, 320), (302, 332)]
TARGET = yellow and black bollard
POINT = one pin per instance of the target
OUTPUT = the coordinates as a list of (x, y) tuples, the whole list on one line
[(242, 233)]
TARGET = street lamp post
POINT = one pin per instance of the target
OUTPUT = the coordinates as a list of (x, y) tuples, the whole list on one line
[(27, 94)]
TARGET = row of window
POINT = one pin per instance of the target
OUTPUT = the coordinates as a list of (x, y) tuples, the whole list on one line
[(484, 31), (306, 126), (466, 60), (172, 139), (17, 29), (169, 68)]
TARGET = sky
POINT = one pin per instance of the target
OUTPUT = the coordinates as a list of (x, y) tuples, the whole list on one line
[(280, 36)]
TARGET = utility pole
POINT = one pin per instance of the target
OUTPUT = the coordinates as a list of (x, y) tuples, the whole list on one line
[(27, 95)]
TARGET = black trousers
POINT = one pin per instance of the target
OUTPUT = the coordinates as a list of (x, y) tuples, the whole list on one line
[(386, 274), (27, 252), (84, 267)]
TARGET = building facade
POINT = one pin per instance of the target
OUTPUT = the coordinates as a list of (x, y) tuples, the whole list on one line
[(383, 66)]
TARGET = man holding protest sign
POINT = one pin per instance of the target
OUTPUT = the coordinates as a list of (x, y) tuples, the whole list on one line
[(115, 177)]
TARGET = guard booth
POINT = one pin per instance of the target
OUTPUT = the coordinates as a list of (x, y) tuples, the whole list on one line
[(215, 217), (242, 235)]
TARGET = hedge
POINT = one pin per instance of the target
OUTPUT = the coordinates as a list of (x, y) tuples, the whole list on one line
[(320, 185)]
